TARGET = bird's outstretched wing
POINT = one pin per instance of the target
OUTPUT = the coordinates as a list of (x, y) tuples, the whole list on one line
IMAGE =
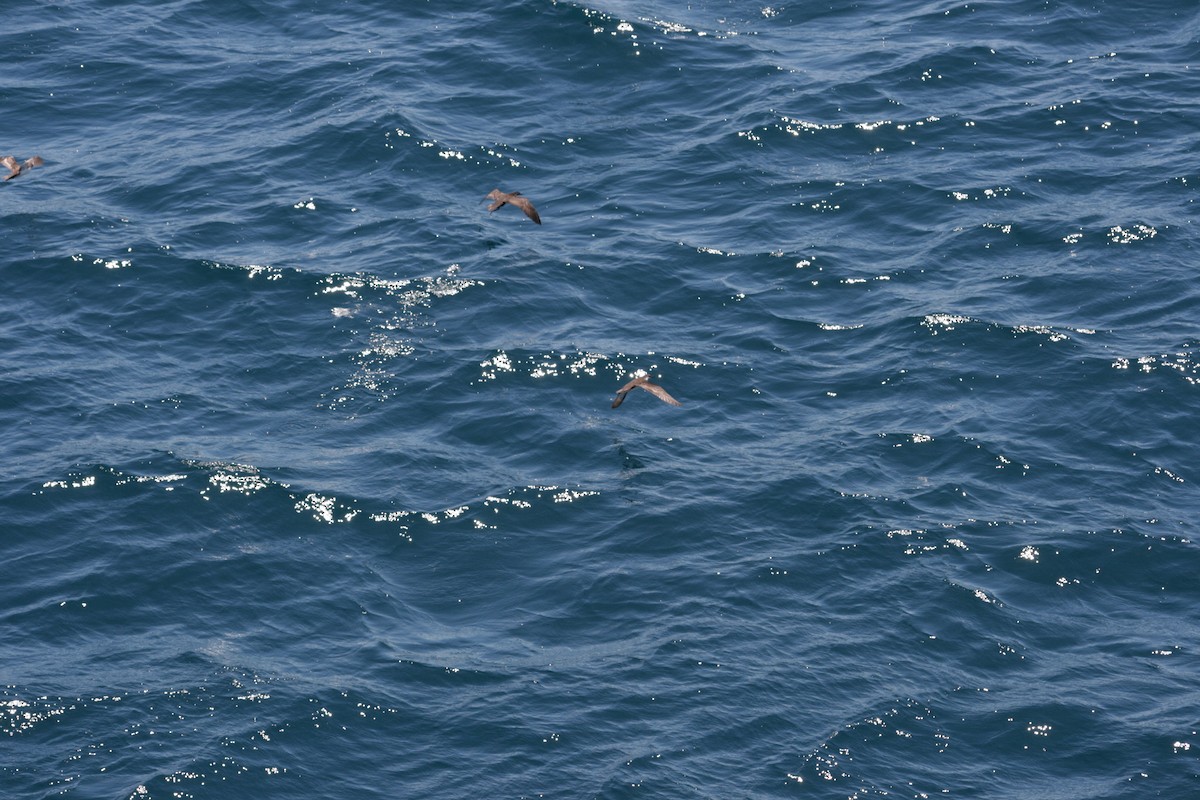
[(526, 206)]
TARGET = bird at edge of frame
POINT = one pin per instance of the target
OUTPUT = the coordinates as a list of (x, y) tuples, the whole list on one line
[(15, 167)]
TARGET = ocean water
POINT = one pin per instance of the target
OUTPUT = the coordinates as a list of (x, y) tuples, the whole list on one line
[(309, 482)]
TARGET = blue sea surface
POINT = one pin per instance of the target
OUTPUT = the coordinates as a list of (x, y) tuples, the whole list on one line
[(310, 486)]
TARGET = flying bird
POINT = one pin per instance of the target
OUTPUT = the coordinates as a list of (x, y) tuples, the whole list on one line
[(641, 382), (15, 168), (513, 198)]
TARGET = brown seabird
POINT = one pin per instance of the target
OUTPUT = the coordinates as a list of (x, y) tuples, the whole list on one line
[(513, 198), (16, 168), (652, 388)]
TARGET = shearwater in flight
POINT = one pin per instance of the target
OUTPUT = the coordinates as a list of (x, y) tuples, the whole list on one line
[(640, 381), (515, 199)]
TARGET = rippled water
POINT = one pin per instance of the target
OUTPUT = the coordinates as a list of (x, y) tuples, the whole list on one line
[(309, 481)]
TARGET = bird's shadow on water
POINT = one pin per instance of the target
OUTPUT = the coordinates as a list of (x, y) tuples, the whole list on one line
[(630, 464), (645, 463)]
